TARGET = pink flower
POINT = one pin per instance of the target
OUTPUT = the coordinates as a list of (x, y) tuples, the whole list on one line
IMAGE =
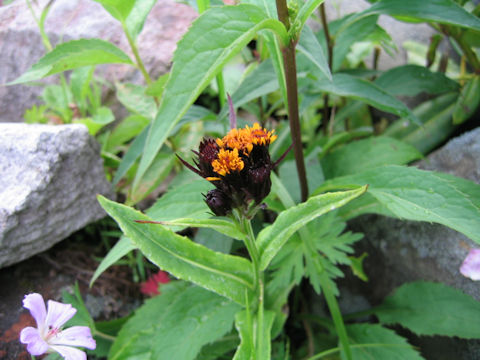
[(471, 265), (49, 336), (150, 287)]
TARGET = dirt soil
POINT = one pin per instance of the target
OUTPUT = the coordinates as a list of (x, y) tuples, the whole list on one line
[(113, 295)]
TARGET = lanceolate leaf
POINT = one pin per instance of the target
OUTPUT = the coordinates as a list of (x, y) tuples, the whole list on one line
[(305, 11), (415, 194), (432, 309), (214, 38), (227, 275), (121, 248), (311, 48), (119, 9), (138, 14), (441, 11), (222, 226), (350, 86), (174, 325), (273, 237), (72, 55), (412, 79), (367, 153)]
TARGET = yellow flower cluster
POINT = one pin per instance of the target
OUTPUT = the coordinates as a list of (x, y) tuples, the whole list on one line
[(236, 143)]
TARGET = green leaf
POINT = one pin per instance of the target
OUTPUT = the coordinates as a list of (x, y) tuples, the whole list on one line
[(373, 341), (223, 226), (311, 48), (213, 39), (350, 86), (72, 55), (82, 316), (413, 79), (137, 16), (244, 326), (419, 195), (468, 101), (119, 9), (134, 99), (102, 117), (156, 173), (183, 201), (175, 324), (436, 118), (305, 11), (132, 154), (126, 130), (121, 248), (271, 239), (215, 350), (367, 153), (214, 240), (432, 309), (261, 81), (230, 276), (441, 11)]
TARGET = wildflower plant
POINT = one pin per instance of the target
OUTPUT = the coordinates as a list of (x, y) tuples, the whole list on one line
[(49, 336), (269, 222)]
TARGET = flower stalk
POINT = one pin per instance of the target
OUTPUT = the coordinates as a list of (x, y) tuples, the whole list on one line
[(292, 98)]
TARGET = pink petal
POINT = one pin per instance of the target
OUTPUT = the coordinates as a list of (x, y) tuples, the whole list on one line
[(34, 302), (70, 353), (35, 344), (75, 336), (58, 314), (471, 265)]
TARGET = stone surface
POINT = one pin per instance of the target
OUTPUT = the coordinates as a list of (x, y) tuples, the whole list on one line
[(50, 177), (404, 251), (21, 45)]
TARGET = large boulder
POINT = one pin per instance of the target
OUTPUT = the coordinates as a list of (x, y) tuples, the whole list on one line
[(21, 45), (50, 178)]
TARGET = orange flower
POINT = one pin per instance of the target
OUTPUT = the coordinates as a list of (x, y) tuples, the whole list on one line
[(227, 162)]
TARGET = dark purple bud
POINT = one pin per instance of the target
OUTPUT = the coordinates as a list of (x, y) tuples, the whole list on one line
[(207, 152), (218, 202), (259, 183)]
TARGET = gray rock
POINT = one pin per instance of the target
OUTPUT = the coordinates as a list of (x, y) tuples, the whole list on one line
[(50, 178), (404, 251), (21, 45)]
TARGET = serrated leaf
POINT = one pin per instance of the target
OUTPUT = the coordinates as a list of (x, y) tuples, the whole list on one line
[(175, 324), (74, 54), (419, 195), (441, 11), (373, 341), (413, 79), (213, 39), (271, 239), (367, 153), (227, 275), (355, 88), (432, 309)]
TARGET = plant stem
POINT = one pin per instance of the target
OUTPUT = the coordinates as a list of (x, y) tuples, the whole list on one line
[(105, 336), (221, 89), (326, 112), (292, 96), (258, 328), (138, 60)]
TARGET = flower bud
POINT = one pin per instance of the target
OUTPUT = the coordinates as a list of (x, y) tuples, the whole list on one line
[(218, 202)]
